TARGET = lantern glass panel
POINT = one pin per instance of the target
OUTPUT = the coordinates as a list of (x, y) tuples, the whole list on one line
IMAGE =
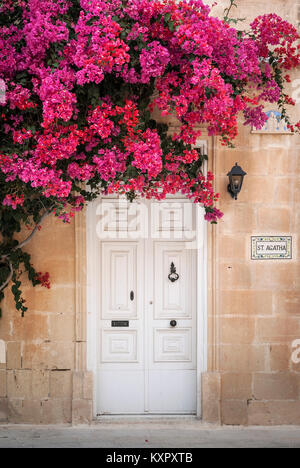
[(236, 182)]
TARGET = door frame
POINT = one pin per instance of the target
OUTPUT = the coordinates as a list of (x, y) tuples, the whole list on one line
[(94, 300)]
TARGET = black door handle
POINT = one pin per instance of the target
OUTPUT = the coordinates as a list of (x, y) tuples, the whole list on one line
[(131, 295), (173, 323)]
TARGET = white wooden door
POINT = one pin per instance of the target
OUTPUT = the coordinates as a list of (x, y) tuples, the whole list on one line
[(147, 324), (121, 370), (172, 330)]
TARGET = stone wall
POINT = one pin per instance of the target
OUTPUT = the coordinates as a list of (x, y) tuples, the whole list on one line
[(37, 383), (39, 377), (254, 306), (256, 314), (257, 302)]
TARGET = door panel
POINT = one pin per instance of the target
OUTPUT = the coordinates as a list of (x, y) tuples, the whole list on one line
[(172, 392), (119, 265), (172, 299), (173, 345), (119, 346), (173, 219), (121, 391)]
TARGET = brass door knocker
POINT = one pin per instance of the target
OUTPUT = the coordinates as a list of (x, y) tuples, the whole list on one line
[(173, 276)]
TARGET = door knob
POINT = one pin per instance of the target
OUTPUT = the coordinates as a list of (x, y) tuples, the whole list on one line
[(173, 323)]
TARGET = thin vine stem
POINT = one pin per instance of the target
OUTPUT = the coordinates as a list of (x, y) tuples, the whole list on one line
[(9, 278), (227, 10), (5, 258), (28, 239)]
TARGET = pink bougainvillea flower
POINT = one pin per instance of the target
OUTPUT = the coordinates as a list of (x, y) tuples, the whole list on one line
[(81, 84)]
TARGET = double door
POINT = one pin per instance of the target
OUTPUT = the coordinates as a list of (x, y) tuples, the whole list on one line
[(147, 318)]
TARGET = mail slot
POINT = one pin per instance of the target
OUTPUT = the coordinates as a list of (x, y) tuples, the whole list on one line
[(120, 323)]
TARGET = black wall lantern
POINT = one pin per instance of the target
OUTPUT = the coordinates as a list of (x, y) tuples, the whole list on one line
[(236, 178)]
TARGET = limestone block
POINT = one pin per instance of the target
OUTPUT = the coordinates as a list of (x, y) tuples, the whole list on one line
[(61, 327), (83, 385), (276, 276), (277, 330), (233, 247), (287, 302), (240, 217), (285, 191), (257, 189), (88, 386), (56, 411), (49, 356), (3, 410), (7, 327), (296, 192), (235, 275), (61, 355), (60, 299), (82, 412), (236, 386), (274, 413), (78, 378), (237, 330), (40, 384), (251, 161), (280, 357), (13, 355), (281, 386), (32, 327), (246, 302), (234, 412), (296, 222), (3, 392), (274, 219), (19, 384), (243, 358), (61, 269), (61, 384), (287, 162), (211, 396), (24, 411)]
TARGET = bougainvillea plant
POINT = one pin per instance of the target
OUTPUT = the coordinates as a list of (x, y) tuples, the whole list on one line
[(82, 79)]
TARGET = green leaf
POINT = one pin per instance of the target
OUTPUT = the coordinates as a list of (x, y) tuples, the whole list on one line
[(171, 26), (92, 21)]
